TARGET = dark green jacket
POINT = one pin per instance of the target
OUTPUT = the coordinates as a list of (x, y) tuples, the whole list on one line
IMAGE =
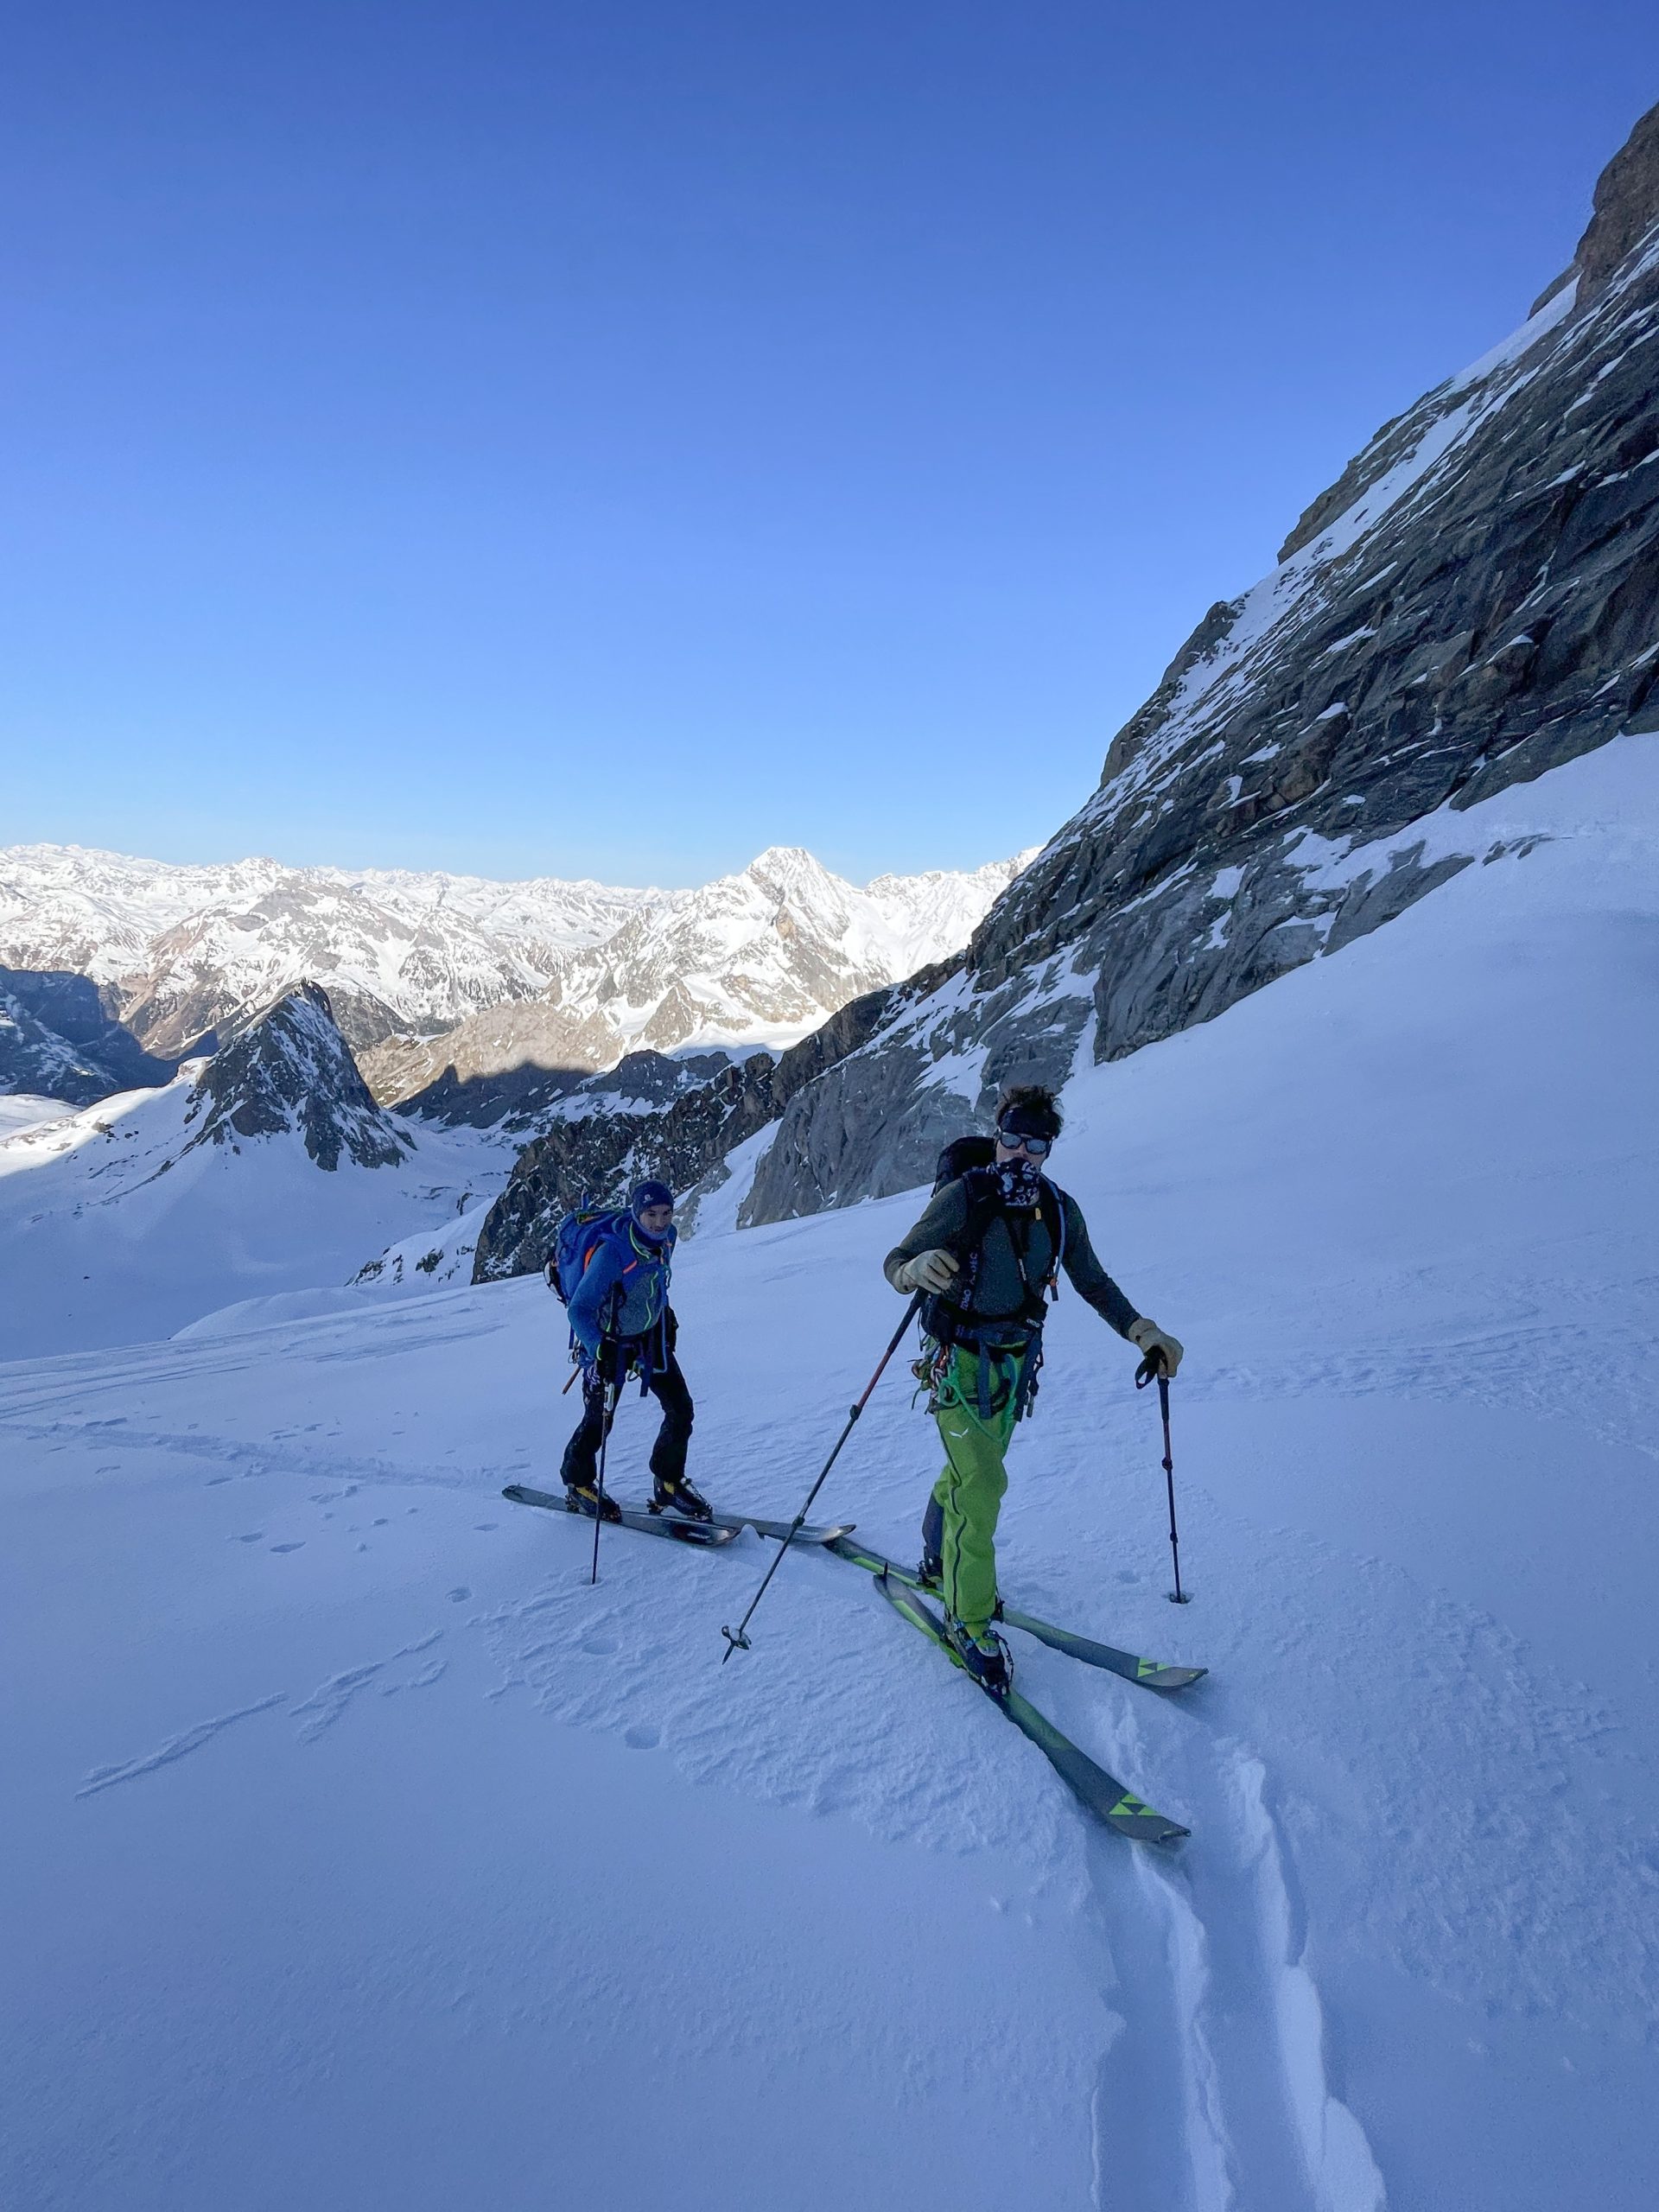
[(999, 1290)]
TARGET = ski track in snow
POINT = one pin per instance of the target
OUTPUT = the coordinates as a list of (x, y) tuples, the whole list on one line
[(175, 1747), (1239, 2015), (1224, 2062), (326, 1704)]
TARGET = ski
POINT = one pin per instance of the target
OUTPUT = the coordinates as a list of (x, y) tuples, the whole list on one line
[(1104, 1794), (708, 1533), (828, 1533), (1151, 1674)]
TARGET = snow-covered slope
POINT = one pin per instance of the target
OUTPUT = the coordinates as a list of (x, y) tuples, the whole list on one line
[(762, 956), (133, 1217), (375, 1855)]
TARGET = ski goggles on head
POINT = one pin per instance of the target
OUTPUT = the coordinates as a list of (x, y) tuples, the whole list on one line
[(1016, 1140)]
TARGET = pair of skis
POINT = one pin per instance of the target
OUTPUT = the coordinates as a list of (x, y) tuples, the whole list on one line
[(1103, 1794), (708, 1534)]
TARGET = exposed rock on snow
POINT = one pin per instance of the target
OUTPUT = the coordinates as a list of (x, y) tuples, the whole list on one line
[(293, 1070)]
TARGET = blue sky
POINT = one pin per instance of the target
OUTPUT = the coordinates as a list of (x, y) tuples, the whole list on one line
[(534, 439)]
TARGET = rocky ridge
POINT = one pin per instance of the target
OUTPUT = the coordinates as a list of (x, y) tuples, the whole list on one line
[(294, 1070), (1475, 601)]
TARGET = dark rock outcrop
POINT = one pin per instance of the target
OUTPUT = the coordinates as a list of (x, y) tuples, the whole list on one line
[(623, 1126), (58, 1039), (294, 1071)]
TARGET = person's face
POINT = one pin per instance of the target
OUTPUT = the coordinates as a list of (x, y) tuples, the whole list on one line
[(1011, 1148), (655, 1220)]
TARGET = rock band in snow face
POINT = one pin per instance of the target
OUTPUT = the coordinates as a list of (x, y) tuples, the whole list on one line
[(982, 1264)]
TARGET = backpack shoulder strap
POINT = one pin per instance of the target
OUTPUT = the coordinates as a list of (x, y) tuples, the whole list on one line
[(1051, 1203), (984, 1202)]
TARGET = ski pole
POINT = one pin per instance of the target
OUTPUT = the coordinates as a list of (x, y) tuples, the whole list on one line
[(610, 1398), (607, 1406), (735, 1638), (1151, 1366)]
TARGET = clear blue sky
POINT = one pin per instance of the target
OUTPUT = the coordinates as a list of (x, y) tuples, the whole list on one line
[(530, 438)]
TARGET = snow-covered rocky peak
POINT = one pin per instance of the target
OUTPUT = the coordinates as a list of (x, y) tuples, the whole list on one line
[(294, 1071)]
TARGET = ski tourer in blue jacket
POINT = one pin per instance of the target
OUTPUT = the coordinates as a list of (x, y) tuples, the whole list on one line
[(624, 1324)]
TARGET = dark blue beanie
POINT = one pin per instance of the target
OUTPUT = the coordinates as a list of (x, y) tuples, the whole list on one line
[(649, 1193)]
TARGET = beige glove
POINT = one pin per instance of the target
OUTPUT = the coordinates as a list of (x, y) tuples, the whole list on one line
[(935, 1271), (1146, 1336)]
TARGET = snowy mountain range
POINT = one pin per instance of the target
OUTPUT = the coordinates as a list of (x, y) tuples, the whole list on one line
[(566, 976)]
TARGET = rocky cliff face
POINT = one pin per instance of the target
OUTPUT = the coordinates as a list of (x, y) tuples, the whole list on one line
[(677, 1120), (1476, 601), (58, 1040), (294, 1070)]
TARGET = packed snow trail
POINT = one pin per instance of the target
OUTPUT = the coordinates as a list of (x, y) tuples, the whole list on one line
[(366, 1851)]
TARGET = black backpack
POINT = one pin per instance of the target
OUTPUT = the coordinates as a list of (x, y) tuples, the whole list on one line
[(971, 1160)]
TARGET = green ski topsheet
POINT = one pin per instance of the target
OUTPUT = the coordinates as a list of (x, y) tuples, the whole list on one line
[(1104, 1794)]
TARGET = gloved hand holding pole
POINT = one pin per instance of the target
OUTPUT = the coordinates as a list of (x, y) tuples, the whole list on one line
[(1156, 1366)]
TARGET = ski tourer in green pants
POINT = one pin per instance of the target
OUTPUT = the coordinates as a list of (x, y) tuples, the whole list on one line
[(986, 1255)]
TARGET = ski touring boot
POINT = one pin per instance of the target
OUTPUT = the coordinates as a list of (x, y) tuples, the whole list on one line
[(673, 1494), (985, 1656), (584, 1498), (931, 1565)]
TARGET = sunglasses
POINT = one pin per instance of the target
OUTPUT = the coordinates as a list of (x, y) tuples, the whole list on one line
[(1038, 1147)]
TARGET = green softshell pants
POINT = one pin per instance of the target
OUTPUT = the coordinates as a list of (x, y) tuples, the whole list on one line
[(969, 1491)]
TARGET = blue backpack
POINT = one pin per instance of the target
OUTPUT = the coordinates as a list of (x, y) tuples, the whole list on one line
[(579, 1235)]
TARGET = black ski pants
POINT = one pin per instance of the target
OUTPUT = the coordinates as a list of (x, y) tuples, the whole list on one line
[(667, 1385)]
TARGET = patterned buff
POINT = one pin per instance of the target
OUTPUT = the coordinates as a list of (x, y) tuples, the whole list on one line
[(1020, 1180)]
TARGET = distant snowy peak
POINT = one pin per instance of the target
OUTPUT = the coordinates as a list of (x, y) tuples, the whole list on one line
[(293, 1071), (764, 956), (757, 960)]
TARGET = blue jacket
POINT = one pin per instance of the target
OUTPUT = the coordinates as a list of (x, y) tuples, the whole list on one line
[(631, 1270)]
